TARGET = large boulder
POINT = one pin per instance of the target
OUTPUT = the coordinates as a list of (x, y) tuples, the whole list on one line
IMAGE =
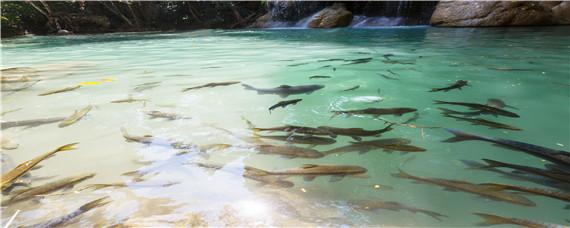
[(561, 12), (492, 13), (333, 16)]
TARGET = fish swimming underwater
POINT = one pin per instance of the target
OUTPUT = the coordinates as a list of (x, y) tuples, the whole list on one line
[(392, 144), (561, 195), (560, 176), (356, 133), (481, 107), (484, 122), (211, 85), (285, 90), (65, 218), (292, 129), (457, 85), (499, 220), (288, 151), (372, 205), (319, 76), (48, 188), (130, 99), (66, 89), (30, 123), (352, 88), (253, 174), (310, 171), (557, 156), (284, 104), (300, 139), (76, 116), (375, 111), (166, 115)]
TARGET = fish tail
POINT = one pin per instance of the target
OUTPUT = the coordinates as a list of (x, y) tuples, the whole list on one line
[(95, 203), (493, 163), (66, 147), (491, 219), (459, 136), (439, 102)]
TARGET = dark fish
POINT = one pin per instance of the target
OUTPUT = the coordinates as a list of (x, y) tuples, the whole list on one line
[(284, 104), (66, 89), (360, 148), (387, 56), (292, 129), (352, 88), (399, 62), (564, 177), (63, 219), (319, 76), (210, 85), (392, 72), (288, 151), (481, 107), (364, 147), (484, 122), (557, 156), (297, 64), (330, 60), (300, 139), (375, 111), (537, 191), (358, 61), (372, 205), (310, 171), (387, 77), (470, 188), (356, 133), (509, 69), (498, 220), (146, 86), (393, 144), (449, 111), (253, 174), (30, 123), (286, 90), (457, 85)]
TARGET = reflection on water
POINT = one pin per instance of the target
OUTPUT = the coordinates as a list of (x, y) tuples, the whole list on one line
[(170, 136)]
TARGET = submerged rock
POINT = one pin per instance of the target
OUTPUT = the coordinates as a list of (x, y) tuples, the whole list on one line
[(491, 13), (334, 16)]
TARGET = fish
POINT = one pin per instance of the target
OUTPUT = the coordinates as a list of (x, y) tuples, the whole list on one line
[(469, 188), (9, 177), (126, 184), (372, 205), (484, 122), (289, 151), (509, 69), (284, 104), (130, 99), (300, 139), (151, 140), (375, 111), (319, 76), (330, 60), (392, 72), (560, 176), (392, 144), (357, 61), (30, 123), (356, 133), (146, 86), (76, 116), (352, 88), (399, 62), (457, 85), (66, 89), (565, 196), (211, 85), (311, 171), (387, 77), (498, 220), (65, 218), (556, 156), (481, 107), (449, 111), (48, 188), (360, 148), (253, 174), (15, 79), (497, 103), (387, 56), (166, 115), (292, 129), (286, 90)]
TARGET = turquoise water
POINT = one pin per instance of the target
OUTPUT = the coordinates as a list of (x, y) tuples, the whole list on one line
[(528, 68)]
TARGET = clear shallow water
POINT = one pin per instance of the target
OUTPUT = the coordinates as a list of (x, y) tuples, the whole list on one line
[(116, 63)]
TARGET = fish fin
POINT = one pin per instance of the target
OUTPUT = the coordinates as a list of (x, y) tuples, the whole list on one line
[(459, 136), (306, 166), (493, 163), (356, 138), (309, 178), (491, 219), (66, 147), (336, 178), (95, 203)]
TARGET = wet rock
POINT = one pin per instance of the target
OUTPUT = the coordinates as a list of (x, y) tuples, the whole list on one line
[(334, 16), (491, 13), (562, 13), (262, 22)]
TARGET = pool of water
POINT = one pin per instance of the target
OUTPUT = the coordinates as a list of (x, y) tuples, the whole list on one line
[(527, 68)]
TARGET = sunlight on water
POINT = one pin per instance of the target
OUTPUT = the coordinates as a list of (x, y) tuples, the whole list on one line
[(198, 167)]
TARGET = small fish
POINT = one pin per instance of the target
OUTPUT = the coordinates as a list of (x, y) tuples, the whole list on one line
[(253, 174), (130, 99), (211, 85), (65, 218), (166, 115), (288, 151), (399, 62), (30, 123), (48, 188), (127, 184), (557, 156), (372, 205), (330, 60), (375, 111), (449, 111), (352, 88), (481, 107), (470, 188), (509, 69), (76, 116), (484, 122), (392, 72), (457, 85), (387, 77), (537, 191), (319, 76), (300, 139), (310, 171), (387, 56), (356, 133), (292, 129), (358, 61), (151, 140), (286, 90), (498, 220), (284, 104), (66, 89), (392, 144), (560, 176), (297, 64), (146, 86), (9, 177)]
